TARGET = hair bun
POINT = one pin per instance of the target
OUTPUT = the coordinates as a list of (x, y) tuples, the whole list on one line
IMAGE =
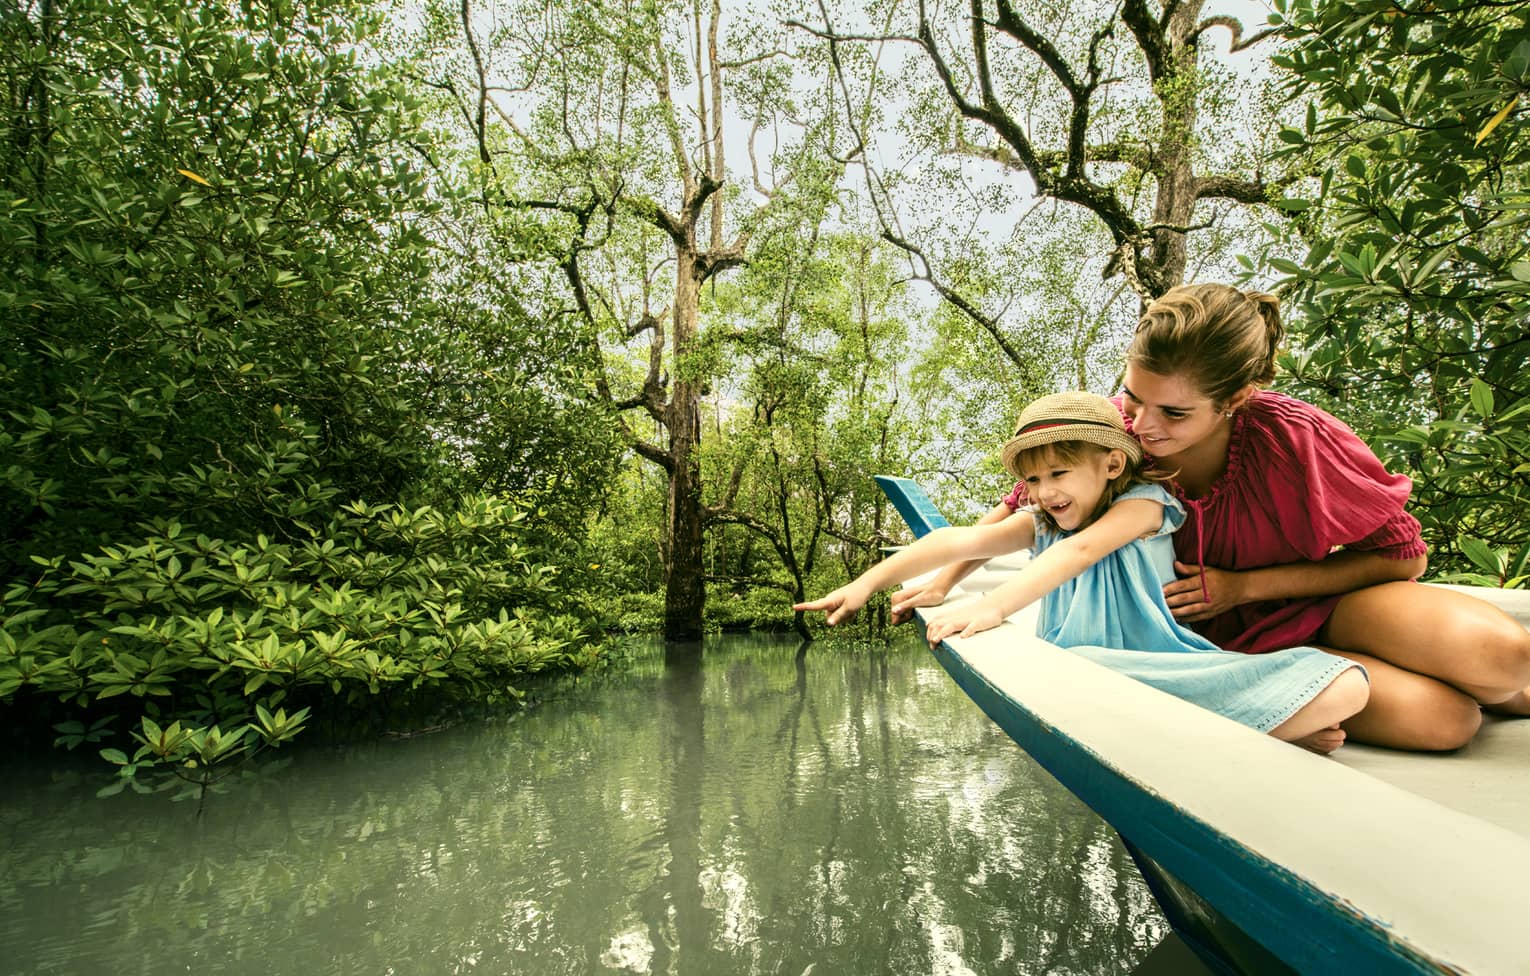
[(1268, 307)]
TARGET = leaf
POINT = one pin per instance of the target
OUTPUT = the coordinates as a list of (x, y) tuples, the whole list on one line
[(1409, 435), (1482, 555), (1492, 123), (193, 177), (1432, 262), (1482, 399)]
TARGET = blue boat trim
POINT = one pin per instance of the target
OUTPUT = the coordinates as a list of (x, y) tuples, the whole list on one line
[(1300, 924), (1220, 946), (913, 504)]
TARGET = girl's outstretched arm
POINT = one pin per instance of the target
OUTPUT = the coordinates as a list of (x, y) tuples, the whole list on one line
[(932, 593), (1126, 520), (943, 546)]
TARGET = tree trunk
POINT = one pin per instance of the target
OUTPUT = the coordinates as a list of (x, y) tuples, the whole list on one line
[(684, 592), (1175, 200)]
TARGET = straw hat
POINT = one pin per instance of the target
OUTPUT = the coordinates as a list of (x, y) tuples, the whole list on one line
[(1070, 417)]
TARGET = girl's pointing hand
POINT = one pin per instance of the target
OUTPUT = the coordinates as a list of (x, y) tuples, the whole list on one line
[(840, 605)]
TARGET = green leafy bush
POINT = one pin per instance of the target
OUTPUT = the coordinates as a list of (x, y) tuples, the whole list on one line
[(190, 635), (255, 450), (1409, 308)]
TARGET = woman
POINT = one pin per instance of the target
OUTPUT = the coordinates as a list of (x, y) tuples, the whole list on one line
[(1297, 533)]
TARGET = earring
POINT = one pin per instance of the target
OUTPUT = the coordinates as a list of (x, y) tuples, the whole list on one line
[(1228, 414)]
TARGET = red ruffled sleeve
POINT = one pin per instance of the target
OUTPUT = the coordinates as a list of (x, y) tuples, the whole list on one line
[(1017, 498), (1336, 491)]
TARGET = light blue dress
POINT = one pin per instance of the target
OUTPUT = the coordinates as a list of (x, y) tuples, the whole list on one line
[(1118, 604)]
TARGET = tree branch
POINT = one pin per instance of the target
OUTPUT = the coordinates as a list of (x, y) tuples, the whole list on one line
[(1235, 27), (1232, 188)]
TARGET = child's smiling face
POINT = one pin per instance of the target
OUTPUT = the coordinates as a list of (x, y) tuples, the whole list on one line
[(1070, 490)]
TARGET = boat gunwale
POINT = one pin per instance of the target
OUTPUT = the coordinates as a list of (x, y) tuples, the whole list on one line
[(1192, 849)]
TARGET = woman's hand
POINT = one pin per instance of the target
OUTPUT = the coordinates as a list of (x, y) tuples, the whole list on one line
[(964, 621), (925, 595), (1187, 601), (841, 604)]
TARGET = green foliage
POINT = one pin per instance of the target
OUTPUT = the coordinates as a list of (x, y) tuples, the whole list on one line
[(816, 404), (193, 633), (504, 392), (1410, 306), (206, 262), (257, 445)]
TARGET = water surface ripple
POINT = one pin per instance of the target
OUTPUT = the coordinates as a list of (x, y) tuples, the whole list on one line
[(756, 810)]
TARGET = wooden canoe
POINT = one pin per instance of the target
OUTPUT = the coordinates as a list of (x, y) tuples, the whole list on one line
[(1265, 857)]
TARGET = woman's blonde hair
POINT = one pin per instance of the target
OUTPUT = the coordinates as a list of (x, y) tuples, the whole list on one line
[(1072, 453), (1221, 338)]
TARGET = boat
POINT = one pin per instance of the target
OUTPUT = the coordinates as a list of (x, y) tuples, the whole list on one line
[(1264, 857)]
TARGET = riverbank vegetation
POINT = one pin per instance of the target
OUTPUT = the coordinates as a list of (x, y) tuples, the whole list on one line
[(354, 354)]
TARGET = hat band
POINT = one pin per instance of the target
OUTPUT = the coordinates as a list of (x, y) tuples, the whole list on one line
[(1051, 422)]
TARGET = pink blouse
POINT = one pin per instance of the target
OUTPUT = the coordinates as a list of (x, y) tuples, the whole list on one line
[(1299, 484)]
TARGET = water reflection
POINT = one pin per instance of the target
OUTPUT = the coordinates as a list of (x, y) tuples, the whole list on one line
[(758, 808)]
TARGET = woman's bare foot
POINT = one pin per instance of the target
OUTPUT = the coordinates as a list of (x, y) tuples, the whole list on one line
[(1516, 704), (1323, 741)]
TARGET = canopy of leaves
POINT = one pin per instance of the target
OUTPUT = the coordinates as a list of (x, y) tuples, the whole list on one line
[(1411, 303), (233, 377)]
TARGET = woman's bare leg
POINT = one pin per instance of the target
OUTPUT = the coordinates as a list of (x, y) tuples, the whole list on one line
[(1438, 633), (1315, 725), (1411, 711), (1516, 704)]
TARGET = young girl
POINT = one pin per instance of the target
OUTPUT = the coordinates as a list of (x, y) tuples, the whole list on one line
[(1099, 531)]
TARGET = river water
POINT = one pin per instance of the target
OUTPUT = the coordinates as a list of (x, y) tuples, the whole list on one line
[(756, 810)]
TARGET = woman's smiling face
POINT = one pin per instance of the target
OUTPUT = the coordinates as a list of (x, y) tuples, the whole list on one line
[(1169, 414)]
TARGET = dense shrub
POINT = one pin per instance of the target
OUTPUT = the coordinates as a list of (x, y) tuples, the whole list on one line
[(237, 400), (1409, 308)]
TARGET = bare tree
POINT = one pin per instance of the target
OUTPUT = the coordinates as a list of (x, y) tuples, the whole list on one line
[(599, 136), (1030, 86)]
